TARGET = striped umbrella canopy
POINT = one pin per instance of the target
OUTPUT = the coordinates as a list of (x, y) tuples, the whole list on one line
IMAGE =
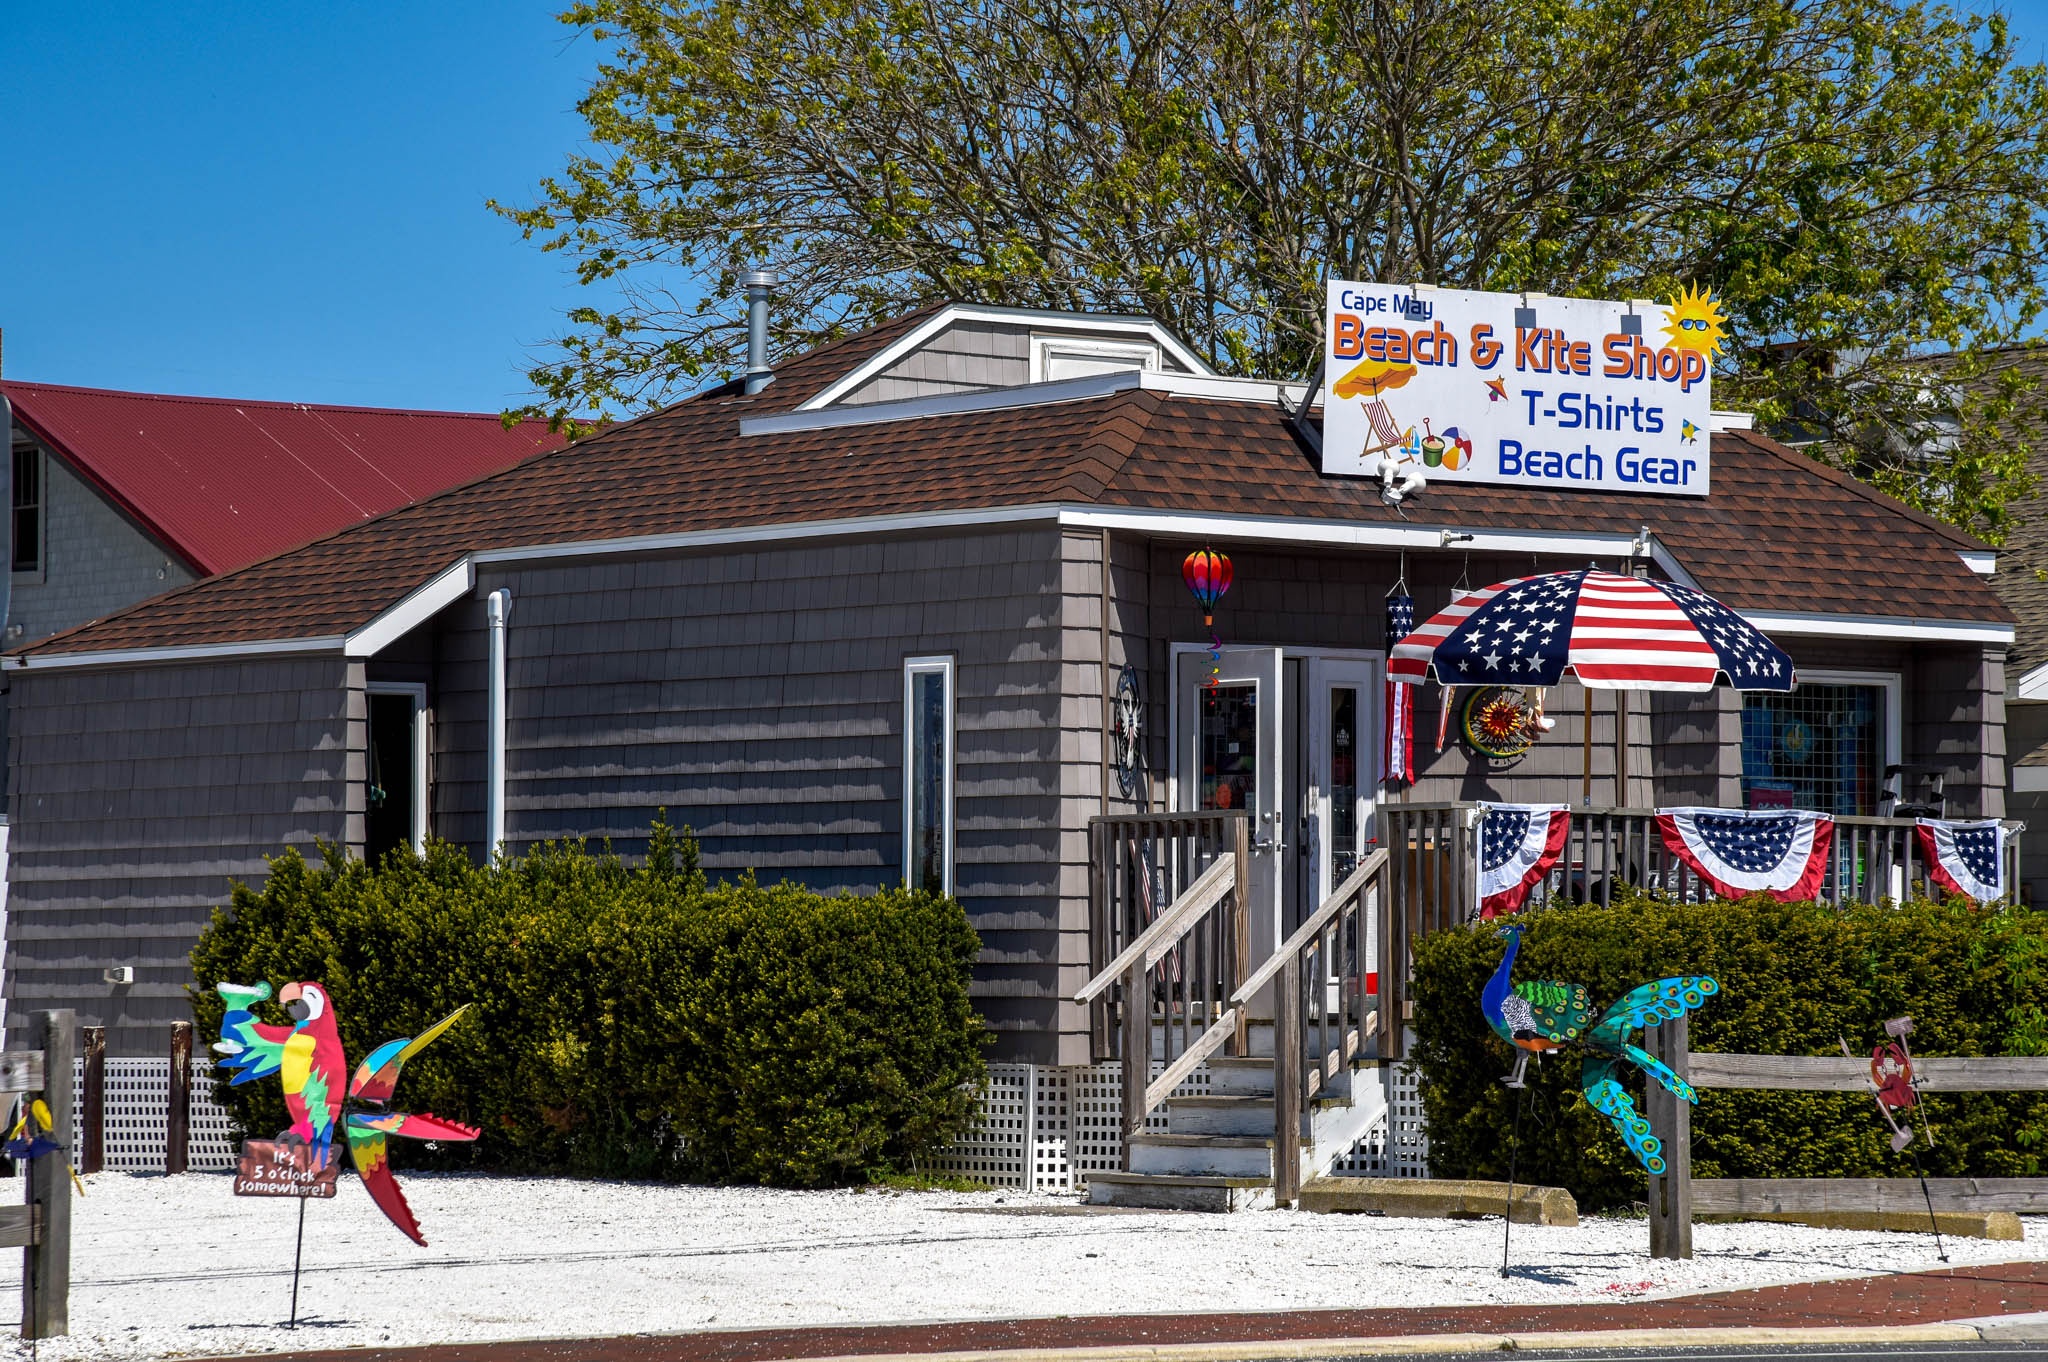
[(1609, 631)]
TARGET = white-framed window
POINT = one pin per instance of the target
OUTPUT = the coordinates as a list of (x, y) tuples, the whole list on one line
[(395, 783), (1824, 744), (27, 509), (928, 773), (1060, 357)]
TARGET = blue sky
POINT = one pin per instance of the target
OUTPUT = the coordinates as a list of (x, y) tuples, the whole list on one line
[(283, 200), (287, 201)]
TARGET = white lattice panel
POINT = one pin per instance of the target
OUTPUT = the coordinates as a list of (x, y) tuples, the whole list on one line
[(138, 1108), (995, 1149), (1399, 1146), (1074, 1126)]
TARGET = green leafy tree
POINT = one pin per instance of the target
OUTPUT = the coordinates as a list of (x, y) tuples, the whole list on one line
[(1861, 180)]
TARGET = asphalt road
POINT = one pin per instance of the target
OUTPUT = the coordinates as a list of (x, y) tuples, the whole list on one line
[(1932, 1352)]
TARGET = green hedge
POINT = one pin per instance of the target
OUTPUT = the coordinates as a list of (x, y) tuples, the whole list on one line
[(629, 1022), (1793, 979)]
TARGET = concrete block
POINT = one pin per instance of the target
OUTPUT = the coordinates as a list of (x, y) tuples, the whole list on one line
[(2003, 1225), (1439, 1199)]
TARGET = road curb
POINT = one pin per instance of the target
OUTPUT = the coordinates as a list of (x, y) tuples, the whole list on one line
[(1280, 1350)]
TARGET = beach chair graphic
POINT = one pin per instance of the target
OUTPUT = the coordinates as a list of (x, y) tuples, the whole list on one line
[(1373, 379)]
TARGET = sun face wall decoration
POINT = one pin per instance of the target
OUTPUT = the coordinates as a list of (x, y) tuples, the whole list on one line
[(1693, 321)]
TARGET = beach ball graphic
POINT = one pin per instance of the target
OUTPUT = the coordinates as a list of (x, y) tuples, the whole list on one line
[(1457, 449)]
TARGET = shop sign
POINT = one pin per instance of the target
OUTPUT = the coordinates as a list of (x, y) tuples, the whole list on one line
[(1523, 390)]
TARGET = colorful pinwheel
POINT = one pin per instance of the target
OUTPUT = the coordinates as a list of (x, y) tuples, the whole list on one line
[(307, 1055)]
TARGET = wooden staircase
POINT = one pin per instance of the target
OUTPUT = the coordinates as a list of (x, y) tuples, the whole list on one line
[(1216, 1153), (1290, 1090)]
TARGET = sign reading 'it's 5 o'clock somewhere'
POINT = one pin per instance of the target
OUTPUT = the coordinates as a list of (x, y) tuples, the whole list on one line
[(1532, 391)]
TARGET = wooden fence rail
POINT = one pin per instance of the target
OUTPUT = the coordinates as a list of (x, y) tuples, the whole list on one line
[(1676, 1197)]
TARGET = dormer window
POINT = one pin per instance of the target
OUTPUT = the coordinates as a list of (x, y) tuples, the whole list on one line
[(1054, 358)]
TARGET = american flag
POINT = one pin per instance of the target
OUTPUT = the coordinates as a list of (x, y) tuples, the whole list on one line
[(1517, 845), (1400, 756), (1612, 632)]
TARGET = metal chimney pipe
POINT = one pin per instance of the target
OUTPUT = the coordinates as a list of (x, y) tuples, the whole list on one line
[(759, 284)]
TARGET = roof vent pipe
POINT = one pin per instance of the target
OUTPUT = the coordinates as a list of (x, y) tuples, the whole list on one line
[(759, 284)]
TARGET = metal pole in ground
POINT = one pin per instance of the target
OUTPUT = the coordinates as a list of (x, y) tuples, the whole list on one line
[(1514, 1152)]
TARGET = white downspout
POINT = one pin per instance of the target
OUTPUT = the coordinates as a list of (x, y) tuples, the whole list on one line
[(497, 609)]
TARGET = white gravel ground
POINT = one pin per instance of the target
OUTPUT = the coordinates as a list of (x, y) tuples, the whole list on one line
[(176, 1266)]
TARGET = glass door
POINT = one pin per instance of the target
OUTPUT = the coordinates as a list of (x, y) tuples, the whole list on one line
[(1230, 757), (1343, 704), (1344, 765)]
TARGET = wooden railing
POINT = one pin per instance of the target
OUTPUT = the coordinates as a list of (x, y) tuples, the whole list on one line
[(1434, 864), (1324, 1015), (1169, 931), (1675, 1197)]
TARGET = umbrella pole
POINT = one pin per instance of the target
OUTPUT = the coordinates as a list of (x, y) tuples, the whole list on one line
[(1586, 756), (1621, 749)]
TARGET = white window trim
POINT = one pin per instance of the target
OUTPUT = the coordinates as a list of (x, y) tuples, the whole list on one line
[(1894, 688), (913, 667), (41, 571), (1044, 347), (421, 744)]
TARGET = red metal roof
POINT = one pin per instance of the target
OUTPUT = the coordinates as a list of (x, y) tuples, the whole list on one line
[(224, 483)]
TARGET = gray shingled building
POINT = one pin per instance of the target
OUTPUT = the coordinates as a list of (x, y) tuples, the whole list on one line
[(863, 626)]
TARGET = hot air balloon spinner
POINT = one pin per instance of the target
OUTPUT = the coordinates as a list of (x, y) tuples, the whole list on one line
[(1207, 574)]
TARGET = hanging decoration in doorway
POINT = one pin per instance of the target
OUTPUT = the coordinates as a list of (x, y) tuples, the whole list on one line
[(1399, 763), (1126, 725), (308, 1057), (1966, 858), (1783, 854), (1537, 1017), (1207, 574)]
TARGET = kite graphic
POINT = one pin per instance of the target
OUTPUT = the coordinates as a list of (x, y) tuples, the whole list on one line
[(307, 1057), (1496, 390)]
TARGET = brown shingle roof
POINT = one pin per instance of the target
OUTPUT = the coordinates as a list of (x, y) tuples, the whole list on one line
[(1778, 532)]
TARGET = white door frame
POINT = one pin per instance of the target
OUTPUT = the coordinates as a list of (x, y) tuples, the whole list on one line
[(1329, 668), (421, 745)]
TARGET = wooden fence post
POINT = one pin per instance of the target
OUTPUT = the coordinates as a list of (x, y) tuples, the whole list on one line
[(1287, 1081), (1671, 1122), (93, 1157), (178, 1120), (46, 1280), (1137, 1039)]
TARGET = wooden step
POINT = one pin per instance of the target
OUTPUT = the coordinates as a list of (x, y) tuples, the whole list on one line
[(1179, 1192), (1228, 1156)]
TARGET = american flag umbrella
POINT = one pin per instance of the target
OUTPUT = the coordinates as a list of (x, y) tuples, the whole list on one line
[(1611, 632)]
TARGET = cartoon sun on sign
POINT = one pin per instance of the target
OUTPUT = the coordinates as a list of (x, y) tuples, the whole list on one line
[(1694, 321)]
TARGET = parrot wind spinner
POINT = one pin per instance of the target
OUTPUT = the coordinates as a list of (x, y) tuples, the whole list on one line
[(307, 1056)]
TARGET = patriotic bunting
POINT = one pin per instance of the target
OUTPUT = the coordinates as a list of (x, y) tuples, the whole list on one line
[(1517, 843), (1965, 858), (1783, 854), (1399, 763)]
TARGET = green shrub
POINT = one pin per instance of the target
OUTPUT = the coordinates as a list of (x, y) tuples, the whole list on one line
[(626, 1022), (1794, 979)]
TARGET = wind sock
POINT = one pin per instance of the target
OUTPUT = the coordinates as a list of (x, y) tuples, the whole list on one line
[(1400, 756), (1207, 574)]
